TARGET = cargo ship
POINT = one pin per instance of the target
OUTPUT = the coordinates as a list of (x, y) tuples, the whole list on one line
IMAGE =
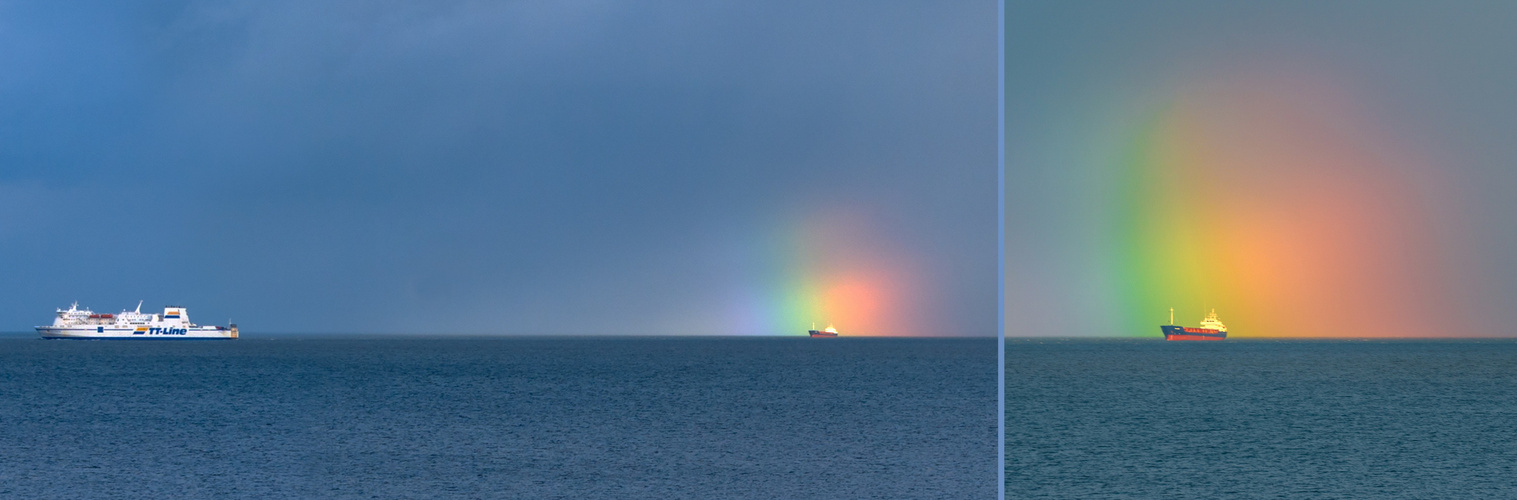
[(829, 332), (173, 323), (1211, 328)]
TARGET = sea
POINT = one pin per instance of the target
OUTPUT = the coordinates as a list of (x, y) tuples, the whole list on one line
[(498, 417), (1374, 419)]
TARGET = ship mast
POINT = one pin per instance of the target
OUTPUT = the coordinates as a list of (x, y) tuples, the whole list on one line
[(1171, 315)]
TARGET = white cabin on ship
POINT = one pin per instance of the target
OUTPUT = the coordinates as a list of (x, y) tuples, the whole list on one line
[(173, 323), (1210, 322)]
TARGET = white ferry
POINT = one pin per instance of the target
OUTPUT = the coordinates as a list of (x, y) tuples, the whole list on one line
[(174, 323)]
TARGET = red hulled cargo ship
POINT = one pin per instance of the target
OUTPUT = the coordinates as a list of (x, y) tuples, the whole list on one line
[(1211, 329), (829, 332)]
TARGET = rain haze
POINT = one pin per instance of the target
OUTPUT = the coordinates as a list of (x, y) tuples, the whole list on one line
[(503, 167), (1306, 169)]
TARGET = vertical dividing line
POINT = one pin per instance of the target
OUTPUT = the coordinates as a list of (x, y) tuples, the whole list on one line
[(1001, 250)]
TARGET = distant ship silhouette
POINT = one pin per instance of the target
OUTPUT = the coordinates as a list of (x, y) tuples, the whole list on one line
[(829, 332)]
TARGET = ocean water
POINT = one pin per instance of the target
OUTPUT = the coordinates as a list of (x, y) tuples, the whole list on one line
[(1261, 419), (498, 418)]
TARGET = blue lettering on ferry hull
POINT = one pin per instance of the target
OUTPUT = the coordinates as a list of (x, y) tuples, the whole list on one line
[(163, 331)]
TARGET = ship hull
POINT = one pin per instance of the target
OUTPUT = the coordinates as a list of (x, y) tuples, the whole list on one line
[(815, 333), (103, 332), (1176, 332)]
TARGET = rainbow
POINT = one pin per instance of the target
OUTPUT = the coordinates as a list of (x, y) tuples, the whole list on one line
[(1275, 200), (830, 266)]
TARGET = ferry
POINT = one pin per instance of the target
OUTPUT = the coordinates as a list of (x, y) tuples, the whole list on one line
[(173, 323), (829, 332), (1211, 329)]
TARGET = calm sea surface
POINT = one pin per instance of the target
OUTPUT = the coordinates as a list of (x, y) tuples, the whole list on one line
[(1261, 419), (498, 418)]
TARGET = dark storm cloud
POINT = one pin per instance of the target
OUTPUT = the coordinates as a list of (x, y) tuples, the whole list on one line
[(519, 167)]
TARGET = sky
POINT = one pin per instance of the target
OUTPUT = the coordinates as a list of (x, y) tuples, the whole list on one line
[(521, 168), (1305, 169)]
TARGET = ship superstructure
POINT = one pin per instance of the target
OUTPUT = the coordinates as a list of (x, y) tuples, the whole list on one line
[(173, 323), (1211, 328)]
